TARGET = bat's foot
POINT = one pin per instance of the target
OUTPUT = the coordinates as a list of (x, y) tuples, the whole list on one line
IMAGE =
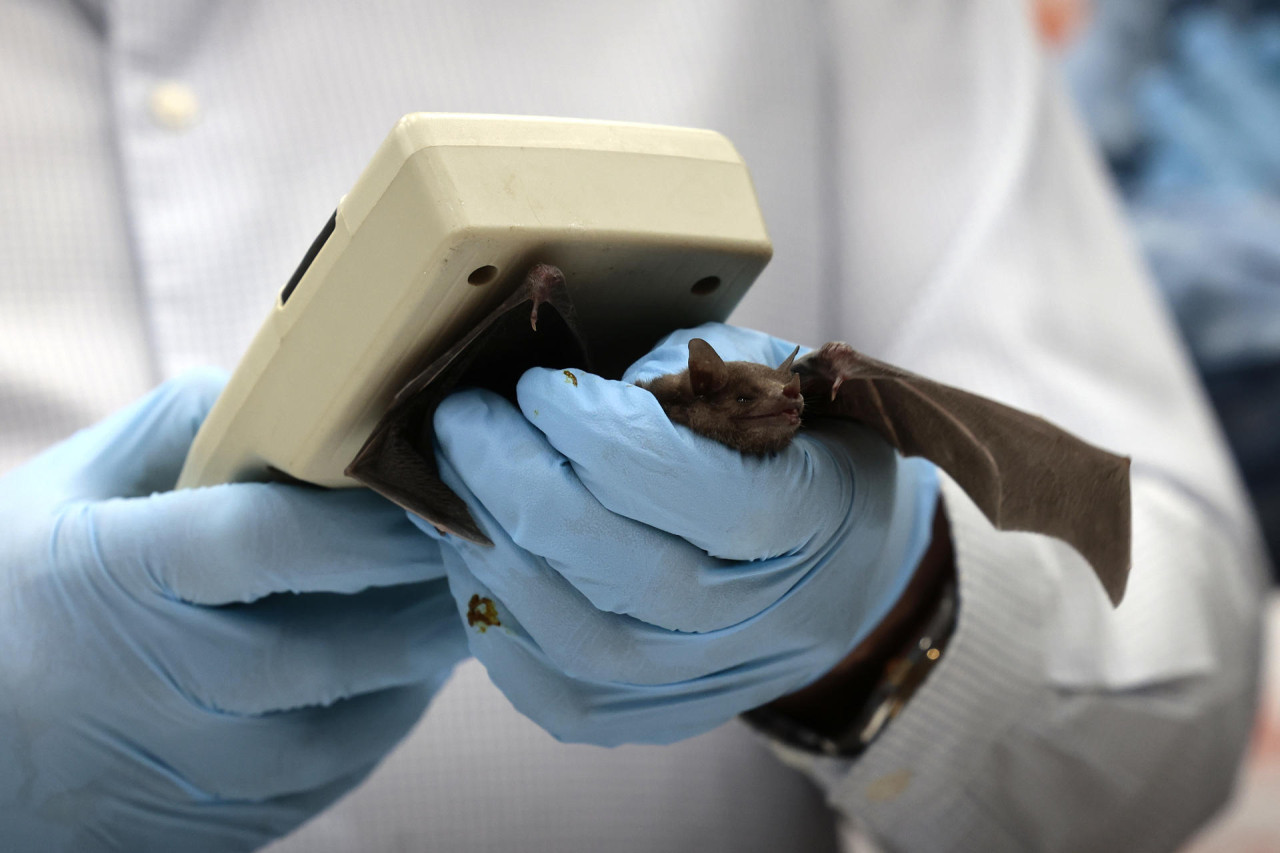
[(542, 280), (835, 357), (835, 362)]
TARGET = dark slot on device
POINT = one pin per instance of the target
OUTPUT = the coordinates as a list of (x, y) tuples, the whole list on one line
[(316, 245)]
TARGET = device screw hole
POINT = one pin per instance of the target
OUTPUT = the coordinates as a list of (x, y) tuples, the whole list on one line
[(482, 275), (703, 286)]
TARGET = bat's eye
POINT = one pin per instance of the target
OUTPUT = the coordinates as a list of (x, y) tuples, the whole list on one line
[(743, 398)]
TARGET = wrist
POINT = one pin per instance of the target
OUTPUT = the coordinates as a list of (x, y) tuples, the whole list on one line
[(845, 708)]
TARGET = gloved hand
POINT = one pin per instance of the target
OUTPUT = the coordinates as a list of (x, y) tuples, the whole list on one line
[(649, 583), (205, 669)]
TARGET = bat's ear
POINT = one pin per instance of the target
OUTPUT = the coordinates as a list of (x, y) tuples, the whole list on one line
[(785, 367), (707, 373)]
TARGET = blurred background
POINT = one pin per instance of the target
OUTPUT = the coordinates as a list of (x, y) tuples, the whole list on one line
[(1183, 97)]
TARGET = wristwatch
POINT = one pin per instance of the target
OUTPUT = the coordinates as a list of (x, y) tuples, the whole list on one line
[(901, 676), (879, 676)]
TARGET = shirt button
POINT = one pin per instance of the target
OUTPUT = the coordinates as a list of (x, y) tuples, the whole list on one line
[(173, 105)]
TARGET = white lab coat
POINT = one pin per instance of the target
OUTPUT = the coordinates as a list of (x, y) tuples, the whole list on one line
[(165, 163)]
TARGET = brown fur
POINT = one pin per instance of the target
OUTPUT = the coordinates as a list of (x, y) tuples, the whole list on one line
[(750, 407)]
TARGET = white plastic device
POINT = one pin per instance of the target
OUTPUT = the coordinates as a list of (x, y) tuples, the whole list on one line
[(655, 228)]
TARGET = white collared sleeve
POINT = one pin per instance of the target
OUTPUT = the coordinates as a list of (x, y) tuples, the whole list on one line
[(1053, 722)]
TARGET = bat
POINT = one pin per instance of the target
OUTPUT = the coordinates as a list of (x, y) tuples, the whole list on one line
[(1023, 472)]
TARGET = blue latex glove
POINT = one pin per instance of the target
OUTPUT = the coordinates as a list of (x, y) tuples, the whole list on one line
[(650, 583), (155, 691)]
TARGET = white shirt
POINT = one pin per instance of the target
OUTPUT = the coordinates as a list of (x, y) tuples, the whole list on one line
[(164, 164)]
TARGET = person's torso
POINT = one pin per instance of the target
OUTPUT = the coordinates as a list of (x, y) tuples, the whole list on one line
[(164, 167)]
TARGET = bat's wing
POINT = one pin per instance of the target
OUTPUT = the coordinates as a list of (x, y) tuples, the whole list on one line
[(1023, 472), (535, 326)]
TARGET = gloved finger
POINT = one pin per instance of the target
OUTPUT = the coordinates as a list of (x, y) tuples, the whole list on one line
[(242, 541), (241, 824), (293, 651), (620, 565), (639, 464), (586, 643), (135, 451), (732, 343), (266, 756), (609, 711)]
